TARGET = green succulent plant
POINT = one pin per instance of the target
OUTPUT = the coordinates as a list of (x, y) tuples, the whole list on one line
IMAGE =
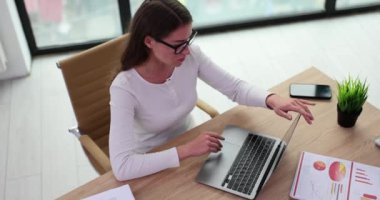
[(352, 94)]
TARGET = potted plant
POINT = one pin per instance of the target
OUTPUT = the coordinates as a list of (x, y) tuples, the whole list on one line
[(352, 94)]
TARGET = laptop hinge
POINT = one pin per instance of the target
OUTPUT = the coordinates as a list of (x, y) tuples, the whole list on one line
[(75, 131)]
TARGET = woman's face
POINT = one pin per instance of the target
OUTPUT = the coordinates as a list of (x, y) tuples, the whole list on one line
[(172, 49)]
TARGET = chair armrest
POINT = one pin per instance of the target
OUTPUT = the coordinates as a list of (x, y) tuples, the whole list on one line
[(207, 108), (93, 149)]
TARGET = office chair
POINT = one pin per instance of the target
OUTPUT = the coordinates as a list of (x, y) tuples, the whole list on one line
[(88, 77)]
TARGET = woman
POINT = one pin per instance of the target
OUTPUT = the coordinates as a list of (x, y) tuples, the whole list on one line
[(154, 92)]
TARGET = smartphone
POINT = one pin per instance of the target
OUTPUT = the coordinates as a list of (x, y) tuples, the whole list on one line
[(313, 91)]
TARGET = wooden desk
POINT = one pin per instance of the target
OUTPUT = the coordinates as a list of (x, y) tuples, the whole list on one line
[(325, 137)]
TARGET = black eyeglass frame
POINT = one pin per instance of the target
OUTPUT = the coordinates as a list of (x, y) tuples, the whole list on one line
[(184, 45)]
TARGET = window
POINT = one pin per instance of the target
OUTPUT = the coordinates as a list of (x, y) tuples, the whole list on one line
[(61, 25), (50, 24), (342, 4), (218, 12)]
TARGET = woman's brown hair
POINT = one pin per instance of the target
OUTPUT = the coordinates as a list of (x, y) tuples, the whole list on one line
[(155, 18)]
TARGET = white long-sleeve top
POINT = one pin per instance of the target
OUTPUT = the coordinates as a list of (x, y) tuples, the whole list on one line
[(145, 115)]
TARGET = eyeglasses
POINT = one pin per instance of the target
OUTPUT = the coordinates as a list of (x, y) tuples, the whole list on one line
[(180, 47)]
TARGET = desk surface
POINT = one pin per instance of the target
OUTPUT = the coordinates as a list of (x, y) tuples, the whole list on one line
[(324, 136)]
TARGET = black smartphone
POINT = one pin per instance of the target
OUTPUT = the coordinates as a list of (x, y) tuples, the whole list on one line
[(313, 91)]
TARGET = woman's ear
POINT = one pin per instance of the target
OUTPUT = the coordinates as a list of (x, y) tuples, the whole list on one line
[(148, 41)]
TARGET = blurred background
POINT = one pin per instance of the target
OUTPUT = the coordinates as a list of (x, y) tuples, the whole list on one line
[(54, 24)]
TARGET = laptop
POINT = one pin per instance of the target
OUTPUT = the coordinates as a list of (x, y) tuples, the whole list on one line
[(245, 162)]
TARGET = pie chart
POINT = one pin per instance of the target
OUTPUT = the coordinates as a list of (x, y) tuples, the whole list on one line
[(337, 171), (319, 165)]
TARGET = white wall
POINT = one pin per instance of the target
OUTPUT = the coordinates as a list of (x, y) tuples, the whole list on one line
[(13, 41)]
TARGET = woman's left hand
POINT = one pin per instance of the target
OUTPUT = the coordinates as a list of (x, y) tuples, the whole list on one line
[(281, 106)]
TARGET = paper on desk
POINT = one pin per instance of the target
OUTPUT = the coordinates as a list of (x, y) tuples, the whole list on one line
[(329, 178), (121, 193)]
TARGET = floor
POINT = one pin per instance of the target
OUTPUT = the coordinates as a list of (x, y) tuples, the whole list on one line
[(40, 160)]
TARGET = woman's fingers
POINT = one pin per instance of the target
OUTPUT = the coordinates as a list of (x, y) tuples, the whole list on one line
[(213, 142), (216, 139), (305, 111), (306, 102), (284, 114), (214, 145), (297, 106), (283, 105), (215, 135), (302, 105), (214, 150)]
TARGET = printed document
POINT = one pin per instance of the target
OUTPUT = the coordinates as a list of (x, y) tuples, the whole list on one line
[(121, 193), (323, 177)]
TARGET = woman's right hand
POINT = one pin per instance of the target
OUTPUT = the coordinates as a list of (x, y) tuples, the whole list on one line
[(206, 142)]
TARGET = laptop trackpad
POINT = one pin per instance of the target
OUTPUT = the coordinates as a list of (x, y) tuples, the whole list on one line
[(234, 135), (217, 165)]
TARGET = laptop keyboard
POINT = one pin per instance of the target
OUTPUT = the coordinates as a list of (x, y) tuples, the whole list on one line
[(248, 164)]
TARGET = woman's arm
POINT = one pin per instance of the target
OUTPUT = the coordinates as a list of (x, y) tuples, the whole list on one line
[(246, 94), (234, 88), (125, 161)]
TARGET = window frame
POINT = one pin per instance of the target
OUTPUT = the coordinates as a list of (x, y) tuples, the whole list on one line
[(125, 17)]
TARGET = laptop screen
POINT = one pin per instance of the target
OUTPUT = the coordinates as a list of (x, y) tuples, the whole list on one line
[(288, 135)]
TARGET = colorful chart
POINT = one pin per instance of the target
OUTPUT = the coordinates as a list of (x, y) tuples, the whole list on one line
[(319, 165), (361, 176), (337, 171), (321, 177), (368, 197)]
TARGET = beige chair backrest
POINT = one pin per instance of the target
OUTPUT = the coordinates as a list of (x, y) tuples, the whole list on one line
[(88, 78)]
